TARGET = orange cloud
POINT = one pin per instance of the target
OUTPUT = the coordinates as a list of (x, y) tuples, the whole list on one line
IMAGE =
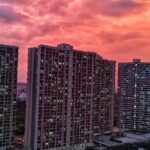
[(115, 29)]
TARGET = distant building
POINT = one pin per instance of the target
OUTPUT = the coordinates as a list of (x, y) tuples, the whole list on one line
[(104, 89), (21, 91), (69, 97), (8, 87), (134, 95)]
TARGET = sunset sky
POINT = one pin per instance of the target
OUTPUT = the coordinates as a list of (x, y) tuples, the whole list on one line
[(115, 29)]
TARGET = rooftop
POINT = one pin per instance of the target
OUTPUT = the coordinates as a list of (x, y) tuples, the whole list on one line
[(11, 46), (116, 139)]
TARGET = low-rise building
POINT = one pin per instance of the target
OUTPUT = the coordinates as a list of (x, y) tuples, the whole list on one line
[(133, 140)]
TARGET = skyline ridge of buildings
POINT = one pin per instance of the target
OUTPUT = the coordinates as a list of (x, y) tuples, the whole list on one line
[(134, 95)]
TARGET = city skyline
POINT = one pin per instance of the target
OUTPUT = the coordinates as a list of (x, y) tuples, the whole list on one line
[(115, 29)]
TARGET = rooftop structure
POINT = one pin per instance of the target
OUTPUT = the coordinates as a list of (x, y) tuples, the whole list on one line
[(121, 141)]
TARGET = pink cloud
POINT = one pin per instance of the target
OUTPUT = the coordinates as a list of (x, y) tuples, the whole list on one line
[(115, 29), (9, 15)]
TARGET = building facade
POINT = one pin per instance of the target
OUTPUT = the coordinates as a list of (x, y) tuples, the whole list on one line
[(8, 86), (104, 89), (134, 95), (61, 97)]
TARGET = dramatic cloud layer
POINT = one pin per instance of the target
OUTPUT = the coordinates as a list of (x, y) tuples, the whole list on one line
[(115, 29)]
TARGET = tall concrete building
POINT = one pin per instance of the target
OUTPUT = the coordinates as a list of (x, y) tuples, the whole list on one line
[(134, 95), (104, 89), (8, 83), (62, 93)]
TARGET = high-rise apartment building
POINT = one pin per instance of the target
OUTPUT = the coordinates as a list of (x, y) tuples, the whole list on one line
[(104, 89), (134, 95), (63, 86), (8, 83)]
